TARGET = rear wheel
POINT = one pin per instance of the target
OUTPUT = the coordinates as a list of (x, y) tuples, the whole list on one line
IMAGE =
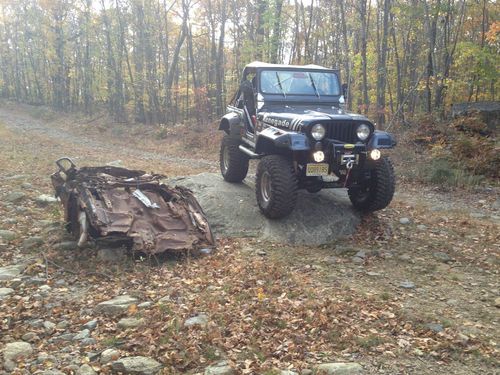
[(377, 193), (233, 162), (276, 186)]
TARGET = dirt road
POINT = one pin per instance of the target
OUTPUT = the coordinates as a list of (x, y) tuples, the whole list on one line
[(415, 291)]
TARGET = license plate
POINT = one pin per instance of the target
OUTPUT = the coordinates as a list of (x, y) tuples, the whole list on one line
[(320, 169)]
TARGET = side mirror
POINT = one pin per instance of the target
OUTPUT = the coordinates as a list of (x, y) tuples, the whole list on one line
[(345, 90)]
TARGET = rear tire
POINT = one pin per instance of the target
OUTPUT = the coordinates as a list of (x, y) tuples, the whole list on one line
[(233, 162), (276, 186), (378, 191)]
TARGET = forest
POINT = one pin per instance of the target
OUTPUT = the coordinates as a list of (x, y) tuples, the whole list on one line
[(174, 61)]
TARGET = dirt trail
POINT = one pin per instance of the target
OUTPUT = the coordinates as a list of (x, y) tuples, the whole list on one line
[(415, 291), (29, 126)]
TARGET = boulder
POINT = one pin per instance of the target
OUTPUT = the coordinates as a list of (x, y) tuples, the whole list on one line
[(137, 365), (233, 212)]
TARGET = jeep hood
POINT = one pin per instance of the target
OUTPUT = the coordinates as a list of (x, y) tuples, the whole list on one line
[(279, 115)]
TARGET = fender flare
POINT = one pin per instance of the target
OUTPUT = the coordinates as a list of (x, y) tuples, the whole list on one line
[(272, 137), (230, 123), (381, 140)]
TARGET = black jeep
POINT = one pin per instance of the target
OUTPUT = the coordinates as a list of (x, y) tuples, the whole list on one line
[(290, 118)]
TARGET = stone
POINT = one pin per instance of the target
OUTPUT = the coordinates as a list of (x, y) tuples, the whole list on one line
[(88, 341), (220, 368), (407, 285), (46, 357), (109, 355), (404, 221), (51, 372), (49, 326), (44, 290), (306, 372), (145, 305), (86, 370), (36, 281), (361, 254), (288, 372), (66, 245), (7, 235), (32, 242), (127, 323), (4, 292), (115, 306), (91, 325), (339, 368), (83, 334), (435, 327), (442, 257), (422, 227), (15, 197), (15, 350), (30, 337), (11, 272), (358, 260), (26, 185), (62, 324), (45, 200), (497, 302), (137, 365), (199, 320), (232, 211), (373, 274)]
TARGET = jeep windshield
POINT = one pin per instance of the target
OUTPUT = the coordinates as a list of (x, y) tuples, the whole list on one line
[(293, 82)]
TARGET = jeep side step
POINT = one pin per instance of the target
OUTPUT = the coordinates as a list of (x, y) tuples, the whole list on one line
[(250, 153)]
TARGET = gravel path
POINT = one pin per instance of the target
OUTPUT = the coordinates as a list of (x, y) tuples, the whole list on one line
[(24, 123)]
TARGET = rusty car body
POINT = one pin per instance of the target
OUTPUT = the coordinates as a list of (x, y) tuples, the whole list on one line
[(130, 207)]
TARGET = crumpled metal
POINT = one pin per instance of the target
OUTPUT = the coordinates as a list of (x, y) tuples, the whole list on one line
[(99, 202)]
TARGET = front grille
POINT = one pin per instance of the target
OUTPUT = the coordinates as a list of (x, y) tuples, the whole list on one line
[(344, 131)]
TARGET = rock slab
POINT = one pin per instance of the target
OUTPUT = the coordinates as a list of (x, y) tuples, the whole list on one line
[(116, 305), (220, 368), (233, 212), (340, 368), (137, 365), (11, 272)]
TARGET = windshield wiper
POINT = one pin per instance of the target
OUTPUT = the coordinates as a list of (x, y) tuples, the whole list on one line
[(279, 84), (313, 84)]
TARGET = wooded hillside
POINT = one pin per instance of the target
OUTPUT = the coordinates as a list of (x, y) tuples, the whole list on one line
[(166, 61)]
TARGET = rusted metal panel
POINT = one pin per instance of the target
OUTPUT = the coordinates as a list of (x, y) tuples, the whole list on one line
[(130, 204)]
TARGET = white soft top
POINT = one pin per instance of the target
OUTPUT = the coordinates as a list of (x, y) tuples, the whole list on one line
[(260, 64)]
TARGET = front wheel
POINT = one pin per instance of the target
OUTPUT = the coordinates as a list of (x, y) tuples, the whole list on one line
[(378, 191), (233, 162), (276, 186)]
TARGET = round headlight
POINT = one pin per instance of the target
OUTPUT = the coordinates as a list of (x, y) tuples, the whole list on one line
[(318, 132), (363, 132)]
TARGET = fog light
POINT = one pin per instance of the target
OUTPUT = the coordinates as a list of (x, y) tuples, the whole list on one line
[(375, 154), (319, 156)]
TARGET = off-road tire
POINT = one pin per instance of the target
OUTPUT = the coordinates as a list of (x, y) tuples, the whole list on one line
[(276, 186), (379, 190), (233, 162)]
